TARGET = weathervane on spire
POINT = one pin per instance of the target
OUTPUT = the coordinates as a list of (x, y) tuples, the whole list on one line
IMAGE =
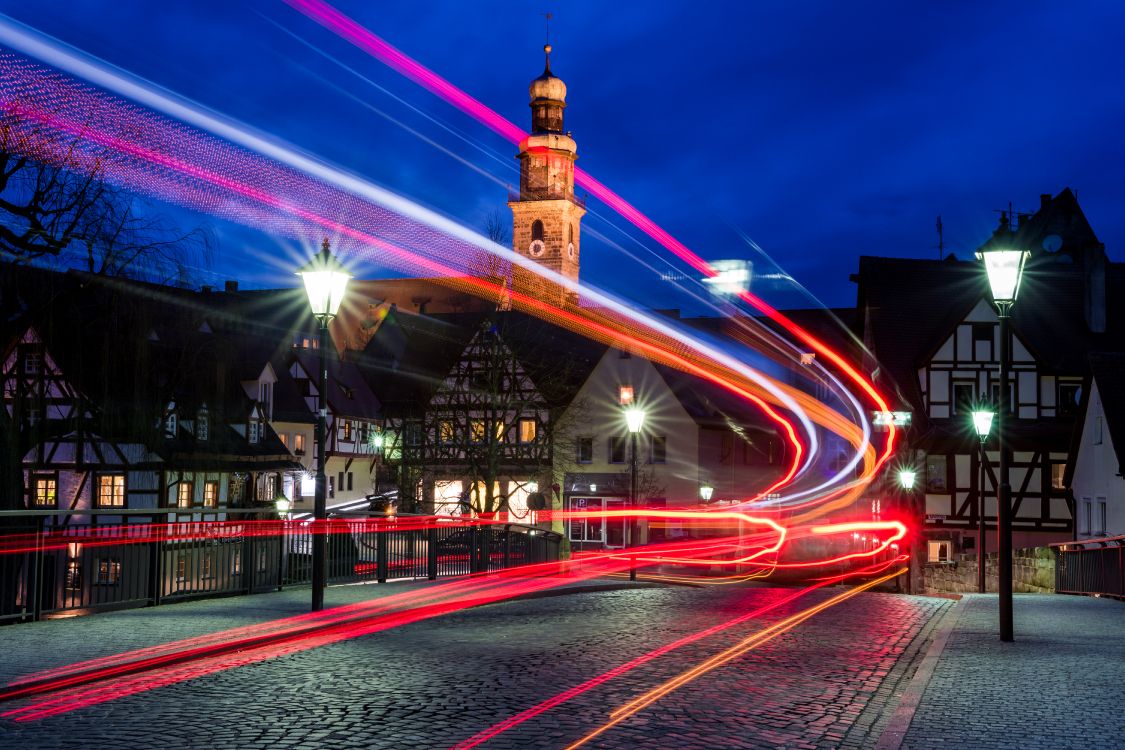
[(547, 46)]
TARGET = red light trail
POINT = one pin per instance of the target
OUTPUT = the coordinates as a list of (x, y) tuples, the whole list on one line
[(137, 149)]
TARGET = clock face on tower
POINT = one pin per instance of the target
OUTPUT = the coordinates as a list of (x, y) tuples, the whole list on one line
[(570, 251), (536, 248)]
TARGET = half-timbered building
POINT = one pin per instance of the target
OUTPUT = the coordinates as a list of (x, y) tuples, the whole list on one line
[(932, 334)]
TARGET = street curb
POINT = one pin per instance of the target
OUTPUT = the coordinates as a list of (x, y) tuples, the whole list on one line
[(895, 732)]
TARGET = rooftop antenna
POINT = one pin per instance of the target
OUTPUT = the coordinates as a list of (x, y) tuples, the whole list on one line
[(940, 240)]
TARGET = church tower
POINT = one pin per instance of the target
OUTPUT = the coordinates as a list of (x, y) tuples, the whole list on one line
[(547, 217)]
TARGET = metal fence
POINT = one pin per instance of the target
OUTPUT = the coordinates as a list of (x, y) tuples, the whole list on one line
[(1091, 566), (50, 564)]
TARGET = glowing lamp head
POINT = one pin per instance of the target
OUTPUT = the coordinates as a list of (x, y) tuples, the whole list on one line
[(1004, 269), (705, 492), (325, 282), (282, 505), (635, 418), (906, 478), (377, 441), (982, 422)]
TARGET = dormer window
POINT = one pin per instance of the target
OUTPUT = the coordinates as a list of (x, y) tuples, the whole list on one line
[(170, 422), (254, 431), (202, 425), (265, 397)]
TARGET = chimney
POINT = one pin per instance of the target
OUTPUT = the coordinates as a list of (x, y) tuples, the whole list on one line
[(1093, 274), (1044, 201), (230, 287)]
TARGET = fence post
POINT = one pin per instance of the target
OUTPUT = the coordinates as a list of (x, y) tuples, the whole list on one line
[(249, 561), (281, 548), (431, 554), (155, 574), (507, 546), (474, 549), (381, 540), (34, 572)]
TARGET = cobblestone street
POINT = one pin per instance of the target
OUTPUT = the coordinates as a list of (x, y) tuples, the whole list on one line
[(828, 683)]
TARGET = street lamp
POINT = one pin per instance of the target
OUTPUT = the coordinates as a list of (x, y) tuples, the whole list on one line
[(282, 506), (325, 282), (1005, 270), (635, 419), (982, 423), (705, 492), (906, 479)]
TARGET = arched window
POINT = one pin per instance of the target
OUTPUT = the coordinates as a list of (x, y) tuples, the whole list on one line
[(536, 230)]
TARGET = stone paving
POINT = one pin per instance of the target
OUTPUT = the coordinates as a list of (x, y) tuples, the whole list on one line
[(1060, 684), (830, 682)]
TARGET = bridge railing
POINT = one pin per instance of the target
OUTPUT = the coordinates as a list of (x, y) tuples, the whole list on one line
[(1091, 566), (74, 562)]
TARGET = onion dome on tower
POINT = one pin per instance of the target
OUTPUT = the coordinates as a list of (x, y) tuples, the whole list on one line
[(548, 100)]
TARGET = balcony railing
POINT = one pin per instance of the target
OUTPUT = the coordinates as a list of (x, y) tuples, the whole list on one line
[(545, 195), (1091, 566), (131, 558)]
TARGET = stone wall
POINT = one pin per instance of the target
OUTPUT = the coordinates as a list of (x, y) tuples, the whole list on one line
[(1033, 572)]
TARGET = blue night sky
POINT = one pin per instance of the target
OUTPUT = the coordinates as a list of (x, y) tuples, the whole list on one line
[(823, 131)]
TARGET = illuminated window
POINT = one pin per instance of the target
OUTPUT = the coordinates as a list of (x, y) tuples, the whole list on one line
[(1058, 472), (210, 494), (499, 429), (236, 563), (585, 450), (347, 430), (185, 494), (445, 432), (284, 438), (73, 575), (528, 432), (625, 395), (299, 443), (46, 492), (108, 571), (208, 567), (254, 431), (181, 568), (476, 431), (939, 550), (202, 425), (111, 491)]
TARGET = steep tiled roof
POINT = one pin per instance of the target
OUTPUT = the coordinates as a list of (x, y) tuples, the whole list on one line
[(1109, 374)]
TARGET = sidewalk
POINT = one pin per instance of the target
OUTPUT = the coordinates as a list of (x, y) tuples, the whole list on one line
[(1060, 684)]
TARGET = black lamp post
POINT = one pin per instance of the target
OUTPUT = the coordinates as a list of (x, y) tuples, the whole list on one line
[(325, 282), (635, 419), (982, 423), (1004, 269), (906, 479)]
